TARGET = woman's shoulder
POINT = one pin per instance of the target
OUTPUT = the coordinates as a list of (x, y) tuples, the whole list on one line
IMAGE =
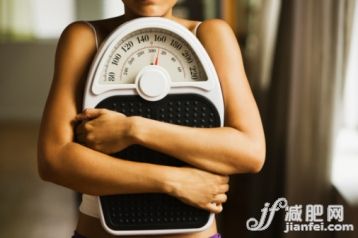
[(215, 31), (76, 44), (77, 35), (76, 29), (214, 26)]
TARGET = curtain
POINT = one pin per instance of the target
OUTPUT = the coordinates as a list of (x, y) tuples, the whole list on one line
[(306, 84), (261, 42), (319, 48), (297, 75)]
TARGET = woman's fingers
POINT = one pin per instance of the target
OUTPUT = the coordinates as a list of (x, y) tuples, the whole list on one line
[(215, 207), (89, 113), (82, 134), (220, 198), (223, 188)]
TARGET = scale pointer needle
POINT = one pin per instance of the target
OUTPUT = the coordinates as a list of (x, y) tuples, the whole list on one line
[(156, 61)]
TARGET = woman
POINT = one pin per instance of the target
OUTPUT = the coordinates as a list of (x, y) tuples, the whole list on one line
[(85, 164)]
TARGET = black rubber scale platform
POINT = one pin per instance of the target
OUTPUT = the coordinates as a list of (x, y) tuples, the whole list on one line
[(157, 211)]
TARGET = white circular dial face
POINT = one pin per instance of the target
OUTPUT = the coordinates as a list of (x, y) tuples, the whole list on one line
[(152, 46)]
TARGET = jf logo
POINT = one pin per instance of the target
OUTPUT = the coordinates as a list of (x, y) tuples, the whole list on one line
[(253, 224)]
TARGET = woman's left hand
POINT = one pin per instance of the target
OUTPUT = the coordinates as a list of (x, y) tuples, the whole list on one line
[(103, 130)]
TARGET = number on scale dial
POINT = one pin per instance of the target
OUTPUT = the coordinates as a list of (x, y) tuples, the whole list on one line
[(152, 46)]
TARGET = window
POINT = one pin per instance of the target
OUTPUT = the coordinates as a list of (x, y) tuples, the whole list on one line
[(34, 19), (345, 158), (45, 19)]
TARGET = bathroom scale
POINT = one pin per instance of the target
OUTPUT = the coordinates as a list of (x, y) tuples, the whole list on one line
[(155, 68)]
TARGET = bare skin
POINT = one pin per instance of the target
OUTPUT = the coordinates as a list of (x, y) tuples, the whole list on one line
[(86, 166)]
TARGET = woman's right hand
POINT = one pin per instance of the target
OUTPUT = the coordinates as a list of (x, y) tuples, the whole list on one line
[(199, 188)]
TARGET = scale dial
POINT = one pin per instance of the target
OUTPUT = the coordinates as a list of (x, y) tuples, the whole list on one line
[(152, 47), (151, 57)]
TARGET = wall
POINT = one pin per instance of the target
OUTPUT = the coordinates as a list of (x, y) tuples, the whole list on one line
[(89, 9), (25, 76)]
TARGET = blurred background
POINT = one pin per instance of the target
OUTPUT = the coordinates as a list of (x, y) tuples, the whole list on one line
[(301, 60)]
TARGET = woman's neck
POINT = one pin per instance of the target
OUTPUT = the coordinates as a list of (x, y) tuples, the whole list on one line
[(129, 15)]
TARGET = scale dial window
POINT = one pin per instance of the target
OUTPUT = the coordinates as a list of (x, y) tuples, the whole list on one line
[(152, 46)]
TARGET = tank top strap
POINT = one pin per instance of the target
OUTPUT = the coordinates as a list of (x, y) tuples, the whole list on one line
[(94, 32), (195, 30)]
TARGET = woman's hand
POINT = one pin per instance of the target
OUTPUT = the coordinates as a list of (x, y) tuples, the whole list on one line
[(103, 130), (199, 188)]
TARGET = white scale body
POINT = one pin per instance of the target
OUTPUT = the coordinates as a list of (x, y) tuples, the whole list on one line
[(154, 58)]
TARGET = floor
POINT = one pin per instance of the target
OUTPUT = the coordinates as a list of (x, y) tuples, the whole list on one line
[(30, 207)]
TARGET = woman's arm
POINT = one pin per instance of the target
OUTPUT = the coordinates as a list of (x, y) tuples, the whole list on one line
[(238, 147), (63, 161)]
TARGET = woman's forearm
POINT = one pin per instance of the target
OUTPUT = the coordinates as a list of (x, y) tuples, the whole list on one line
[(220, 150), (91, 172), (88, 171)]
